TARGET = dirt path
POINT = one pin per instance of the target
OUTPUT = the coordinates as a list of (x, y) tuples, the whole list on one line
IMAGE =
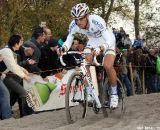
[(142, 113)]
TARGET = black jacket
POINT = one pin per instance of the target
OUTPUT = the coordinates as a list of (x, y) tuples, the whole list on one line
[(151, 64), (22, 61), (48, 62)]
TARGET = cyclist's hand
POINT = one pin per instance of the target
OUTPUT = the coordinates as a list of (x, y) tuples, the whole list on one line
[(102, 47), (97, 51), (60, 51)]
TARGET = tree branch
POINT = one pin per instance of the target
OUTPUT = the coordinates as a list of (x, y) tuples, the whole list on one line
[(109, 11)]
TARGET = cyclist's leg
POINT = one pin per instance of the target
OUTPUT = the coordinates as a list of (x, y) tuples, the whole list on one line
[(108, 64), (91, 91), (89, 58)]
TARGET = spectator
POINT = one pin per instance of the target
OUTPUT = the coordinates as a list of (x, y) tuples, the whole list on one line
[(138, 43), (38, 38), (43, 24), (151, 76), (25, 60), (115, 32), (62, 39), (15, 73), (49, 59), (75, 45), (5, 108), (127, 42), (122, 32), (79, 43), (48, 34), (81, 39), (124, 74), (119, 42)]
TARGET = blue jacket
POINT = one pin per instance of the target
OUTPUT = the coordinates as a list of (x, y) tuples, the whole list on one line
[(138, 43)]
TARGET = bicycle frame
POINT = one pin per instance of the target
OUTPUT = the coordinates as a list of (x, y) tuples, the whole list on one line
[(85, 75), (84, 71)]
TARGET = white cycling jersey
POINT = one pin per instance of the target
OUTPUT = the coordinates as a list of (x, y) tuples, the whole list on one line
[(98, 33)]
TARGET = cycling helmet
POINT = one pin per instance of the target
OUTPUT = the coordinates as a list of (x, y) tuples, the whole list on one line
[(82, 38), (79, 10)]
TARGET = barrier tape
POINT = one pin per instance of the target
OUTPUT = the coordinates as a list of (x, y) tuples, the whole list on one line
[(61, 69)]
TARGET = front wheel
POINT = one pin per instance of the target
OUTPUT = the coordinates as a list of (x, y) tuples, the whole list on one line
[(75, 98)]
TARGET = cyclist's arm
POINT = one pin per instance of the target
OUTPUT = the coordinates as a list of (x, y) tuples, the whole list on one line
[(73, 28), (68, 43), (109, 38), (107, 34)]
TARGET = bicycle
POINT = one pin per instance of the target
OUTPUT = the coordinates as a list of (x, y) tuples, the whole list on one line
[(77, 86)]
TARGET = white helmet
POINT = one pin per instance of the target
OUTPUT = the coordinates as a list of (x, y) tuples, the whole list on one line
[(79, 10)]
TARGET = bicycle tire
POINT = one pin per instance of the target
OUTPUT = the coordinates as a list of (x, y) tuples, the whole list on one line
[(121, 95), (69, 109), (106, 97)]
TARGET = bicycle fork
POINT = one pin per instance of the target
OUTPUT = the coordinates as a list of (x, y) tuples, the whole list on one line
[(91, 91)]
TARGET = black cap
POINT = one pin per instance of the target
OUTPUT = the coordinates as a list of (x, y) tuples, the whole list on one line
[(52, 42), (29, 44)]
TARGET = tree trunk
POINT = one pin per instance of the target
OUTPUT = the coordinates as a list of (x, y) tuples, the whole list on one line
[(103, 4), (136, 18), (109, 11)]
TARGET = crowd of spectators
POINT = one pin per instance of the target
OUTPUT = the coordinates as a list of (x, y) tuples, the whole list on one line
[(142, 58)]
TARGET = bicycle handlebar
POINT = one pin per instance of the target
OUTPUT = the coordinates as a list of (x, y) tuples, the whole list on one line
[(78, 52), (69, 52), (95, 61)]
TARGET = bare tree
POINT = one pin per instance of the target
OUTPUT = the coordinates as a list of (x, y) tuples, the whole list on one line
[(136, 18), (109, 10)]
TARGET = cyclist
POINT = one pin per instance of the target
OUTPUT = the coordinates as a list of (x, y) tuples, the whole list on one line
[(100, 36)]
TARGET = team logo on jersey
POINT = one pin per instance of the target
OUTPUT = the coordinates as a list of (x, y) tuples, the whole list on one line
[(92, 29), (72, 26), (98, 24)]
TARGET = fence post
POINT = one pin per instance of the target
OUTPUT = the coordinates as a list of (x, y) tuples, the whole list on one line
[(131, 75), (143, 82)]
